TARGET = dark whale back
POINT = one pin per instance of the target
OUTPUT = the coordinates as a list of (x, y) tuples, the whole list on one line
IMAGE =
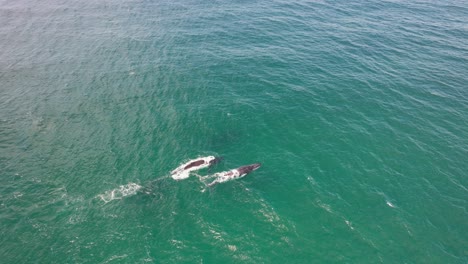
[(249, 168), (193, 164)]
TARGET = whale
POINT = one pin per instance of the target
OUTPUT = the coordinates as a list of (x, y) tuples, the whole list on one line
[(183, 171), (233, 174)]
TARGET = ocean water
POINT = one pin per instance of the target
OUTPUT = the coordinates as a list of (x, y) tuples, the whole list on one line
[(357, 110)]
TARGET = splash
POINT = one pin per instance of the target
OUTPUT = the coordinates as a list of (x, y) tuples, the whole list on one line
[(121, 192)]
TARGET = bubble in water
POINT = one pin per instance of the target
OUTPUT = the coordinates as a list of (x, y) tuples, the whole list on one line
[(121, 192)]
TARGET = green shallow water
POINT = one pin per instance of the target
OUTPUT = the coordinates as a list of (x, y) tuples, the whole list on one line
[(358, 112)]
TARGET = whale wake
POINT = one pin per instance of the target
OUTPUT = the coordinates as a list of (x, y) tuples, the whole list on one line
[(120, 192)]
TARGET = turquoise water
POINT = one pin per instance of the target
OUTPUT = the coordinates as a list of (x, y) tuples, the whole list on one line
[(357, 110)]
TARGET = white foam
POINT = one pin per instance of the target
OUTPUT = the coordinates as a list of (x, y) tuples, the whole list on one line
[(121, 192), (225, 176), (228, 175), (349, 224), (180, 173), (232, 248), (115, 257)]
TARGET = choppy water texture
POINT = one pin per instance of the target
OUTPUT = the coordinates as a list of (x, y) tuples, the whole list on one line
[(357, 110)]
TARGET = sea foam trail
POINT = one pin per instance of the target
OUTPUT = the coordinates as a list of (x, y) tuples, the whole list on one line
[(120, 192)]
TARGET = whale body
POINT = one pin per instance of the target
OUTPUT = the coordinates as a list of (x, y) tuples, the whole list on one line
[(183, 171), (234, 174)]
